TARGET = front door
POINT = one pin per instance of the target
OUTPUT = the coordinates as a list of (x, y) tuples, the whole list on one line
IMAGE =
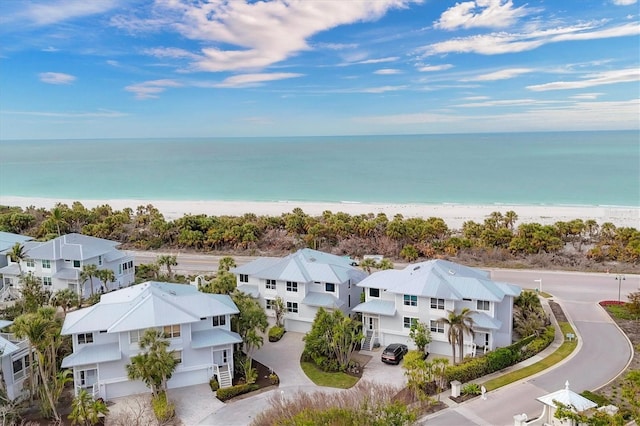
[(87, 378)]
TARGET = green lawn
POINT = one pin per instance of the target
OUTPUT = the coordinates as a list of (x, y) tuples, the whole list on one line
[(332, 380), (561, 353), (621, 312)]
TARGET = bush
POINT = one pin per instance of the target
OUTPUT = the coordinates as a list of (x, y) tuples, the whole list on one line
[(225, 394), (499, 359), (597, 398), (276, 333), (274, 379), (467, 371), (471, 389), (213, 383), (162, 408)]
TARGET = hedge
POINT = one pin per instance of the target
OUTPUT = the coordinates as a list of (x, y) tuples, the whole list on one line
[(276, 333), (224, 394), (500, 358)]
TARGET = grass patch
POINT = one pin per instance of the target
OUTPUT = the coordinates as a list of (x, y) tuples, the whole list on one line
[(323, 378), (543, 294), (620, 312), (561, 353)]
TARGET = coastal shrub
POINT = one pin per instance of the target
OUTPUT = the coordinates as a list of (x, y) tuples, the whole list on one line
[(233, 391), (499, 359), (469, 370), (276, 333), (274, 379), (471, 389), (163, 409), (541, 342), (597, 398), (213, 384)]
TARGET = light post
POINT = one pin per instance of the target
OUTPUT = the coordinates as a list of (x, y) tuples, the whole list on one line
[(619, 278), (539, 281)]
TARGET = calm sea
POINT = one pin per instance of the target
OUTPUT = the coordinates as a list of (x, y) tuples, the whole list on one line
[(567, 168)]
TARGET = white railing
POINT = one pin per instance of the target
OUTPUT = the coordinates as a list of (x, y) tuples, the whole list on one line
[(93, 390), (20, 343)]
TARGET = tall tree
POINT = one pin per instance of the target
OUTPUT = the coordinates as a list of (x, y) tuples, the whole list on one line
[(155, 365), (18, 255), (64, 298), (459, 324), (226, 263), (85, 410), (106, 276), (421, 335), (168, 260), (88, 273)]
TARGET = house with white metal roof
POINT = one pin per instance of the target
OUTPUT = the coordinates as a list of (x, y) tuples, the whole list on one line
[(57, 263), (305, 280), (14, 361), (425, 292), (105, 336)]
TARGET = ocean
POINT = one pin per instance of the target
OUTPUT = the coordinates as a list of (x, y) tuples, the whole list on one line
[(560, 168)]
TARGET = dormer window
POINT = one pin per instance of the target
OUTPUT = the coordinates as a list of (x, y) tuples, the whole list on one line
[(330, 287), (374, 292), (219, 320), (483, 305), (244, 278), (84, 338)]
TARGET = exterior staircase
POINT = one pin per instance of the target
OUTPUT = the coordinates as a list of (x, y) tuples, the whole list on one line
[(224, 376), (367, 344)]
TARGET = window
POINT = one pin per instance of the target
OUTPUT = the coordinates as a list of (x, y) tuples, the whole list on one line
[(374, 292), (46, 264), (135, 336), (177, 355), (317, 282), (408, 322), (99, 260), (292, 307), (410, 300), (436, 327), (76, 263), (171, 331), (292, 286), (270, 304), (31, 263), (466, 300), (271, 284), (437, 303), (483, 305), (219, 320), (46, 281), (244, 278), (330, 287), (20, 367), (84, 338)]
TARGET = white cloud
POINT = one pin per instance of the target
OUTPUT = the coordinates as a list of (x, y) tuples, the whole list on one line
[(624, 2), (51, 11), (170, 52), (357, 61), (503, 103), (481, 13), (432, 68), (246, 80), (50, 49), (501, 75), (502, 42), (596, 79), (260, 33), (586, 96), (381, 89), (151, 89), (100, 113), (56, 78), (336, 46), (387, 71)]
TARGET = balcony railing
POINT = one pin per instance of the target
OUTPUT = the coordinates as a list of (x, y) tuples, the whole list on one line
[(20, 343)]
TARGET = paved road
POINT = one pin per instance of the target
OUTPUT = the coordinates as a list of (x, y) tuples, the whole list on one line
[(603, 352)]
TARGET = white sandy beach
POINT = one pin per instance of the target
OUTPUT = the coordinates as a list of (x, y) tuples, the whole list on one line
[(453, 214)]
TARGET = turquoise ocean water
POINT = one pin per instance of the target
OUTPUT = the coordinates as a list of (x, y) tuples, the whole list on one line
[(564, 168)]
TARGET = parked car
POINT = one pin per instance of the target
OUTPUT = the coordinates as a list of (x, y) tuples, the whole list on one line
[(394, 353)]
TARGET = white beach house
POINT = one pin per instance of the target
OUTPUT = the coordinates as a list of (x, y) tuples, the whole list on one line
[(57, 263), (14, 361), (305, 280), (424, 292), (106, 335)]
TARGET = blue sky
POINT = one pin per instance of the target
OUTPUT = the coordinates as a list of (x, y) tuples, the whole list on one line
[(172, 68)]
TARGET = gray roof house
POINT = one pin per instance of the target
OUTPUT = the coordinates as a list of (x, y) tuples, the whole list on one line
[(105, 336), (58, 263), (424, 292), (14, 361), (306, 280)]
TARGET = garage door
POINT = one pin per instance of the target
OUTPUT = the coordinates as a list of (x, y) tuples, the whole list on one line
[(124, 388), (297, 326)]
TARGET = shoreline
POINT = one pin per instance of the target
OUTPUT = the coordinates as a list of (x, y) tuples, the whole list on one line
[(454, 215)]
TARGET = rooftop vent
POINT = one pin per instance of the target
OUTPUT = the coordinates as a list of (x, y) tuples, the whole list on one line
[(452, 272), (173, 293), (416, 268), (312, 259)]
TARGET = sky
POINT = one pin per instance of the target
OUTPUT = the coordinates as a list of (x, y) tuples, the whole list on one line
[(223, 68)]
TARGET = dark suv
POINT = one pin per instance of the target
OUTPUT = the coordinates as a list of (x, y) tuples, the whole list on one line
[(394, 353)]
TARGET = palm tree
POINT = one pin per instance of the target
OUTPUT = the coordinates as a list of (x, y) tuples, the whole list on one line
[(459, 325), (367, 264), (88, 272), (154, 366), (18, 255), (42, 331), (64, 298), (85, 410), (226, 263), (169, 261), (57, 217), (106, 276)]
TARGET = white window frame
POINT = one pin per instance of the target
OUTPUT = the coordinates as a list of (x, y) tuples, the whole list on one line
[(437, 304), (171, 331), (292, 286), (410, 300), (46, 281), (436, 326), (376, 289), (135, 336), (46, 264), (292, 307), (177, 355), (244, 278), (30, 263), (85, 338), (270, 284), (483, 305), (407, 324), (221, 320), (326, 287), (269, 304)]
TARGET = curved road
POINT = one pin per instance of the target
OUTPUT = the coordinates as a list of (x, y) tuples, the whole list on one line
[(602, 354)]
